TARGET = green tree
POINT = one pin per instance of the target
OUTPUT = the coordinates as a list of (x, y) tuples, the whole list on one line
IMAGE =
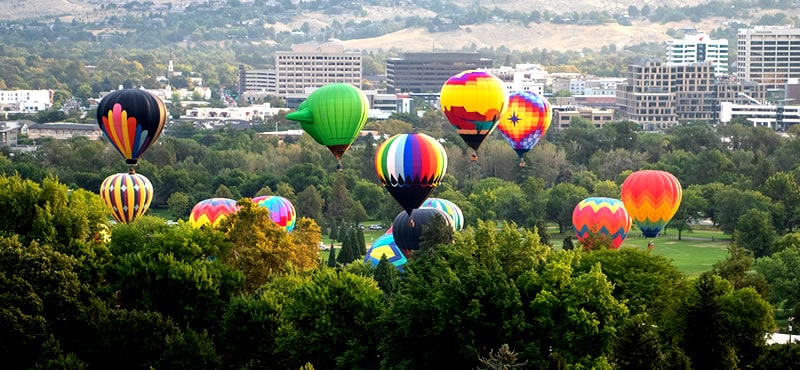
[(706, 340), (333, 315), (780, 270), (180, 204), (689, 212), (347, 254), (737, 268), (386, 276), (755, 233), (224, 192), (561, 201), (310, 204), (783, 188)]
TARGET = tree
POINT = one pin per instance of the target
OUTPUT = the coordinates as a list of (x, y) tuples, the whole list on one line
[(689, 212), (333, 315), (755, 233), (737, 268), (347, 253), (567, 244), (223, 192), (180, 205), (730, 204), (544, 235), (260, 248), (310, 204), (780, 270), (362, 243), (386, 276), (505, 359), (332, 256), (706, 340), (783, 188), (561, 201)]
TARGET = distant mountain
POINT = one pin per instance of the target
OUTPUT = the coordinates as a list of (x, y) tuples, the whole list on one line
[(516, 25)]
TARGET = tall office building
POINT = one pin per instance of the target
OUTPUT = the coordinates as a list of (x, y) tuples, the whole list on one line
[(256, 81), (427, 72), (699, 47), (659, 95), (768, 55), (310, 66)]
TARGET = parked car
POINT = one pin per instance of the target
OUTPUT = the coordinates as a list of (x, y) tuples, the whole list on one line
[(375, 227), (323, 247)]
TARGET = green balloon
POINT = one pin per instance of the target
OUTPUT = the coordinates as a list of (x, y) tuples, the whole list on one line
[(333, 115)]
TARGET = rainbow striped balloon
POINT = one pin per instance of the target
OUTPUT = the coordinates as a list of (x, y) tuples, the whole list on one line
[(450, 208), (127, 195), (212, 211), (281, 210), (472, 101), (385, 246), (410, 166), (525, 121), (606, 216), (132, 120), (652, 198)]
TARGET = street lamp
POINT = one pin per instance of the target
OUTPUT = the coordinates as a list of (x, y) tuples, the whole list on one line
[(791, 320)]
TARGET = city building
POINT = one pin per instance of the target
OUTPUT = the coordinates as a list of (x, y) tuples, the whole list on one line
[(699, 47), (659, 95), (562, 116), (522, 77), (427, 72), (256, 83), (63, 131), (777, 117), (768, 55), (315, 65), (26, 101), (249, 113)]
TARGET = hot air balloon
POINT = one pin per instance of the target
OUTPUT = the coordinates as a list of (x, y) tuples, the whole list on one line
[(651, 197), (333, 115), (605, 216), (281, 210), (407, 227), (525, 121), (385, 246), (132, 120), (473, 101), (127, 195), (410, 166), (212, 211), (448, 207)]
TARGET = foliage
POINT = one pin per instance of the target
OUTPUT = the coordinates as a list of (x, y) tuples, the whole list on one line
[(505, 359), (260, 248)]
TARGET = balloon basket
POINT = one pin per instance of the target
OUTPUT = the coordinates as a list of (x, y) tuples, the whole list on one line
[(473, 157), (522, 164)]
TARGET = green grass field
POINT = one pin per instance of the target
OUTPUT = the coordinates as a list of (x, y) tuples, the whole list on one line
[(694, 254)]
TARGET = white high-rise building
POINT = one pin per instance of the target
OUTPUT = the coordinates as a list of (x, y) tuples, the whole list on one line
[(768, 55), (699, 47), (310, 66)]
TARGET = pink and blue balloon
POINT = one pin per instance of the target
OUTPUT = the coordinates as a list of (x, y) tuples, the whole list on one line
[(281, 210), (211, 212)]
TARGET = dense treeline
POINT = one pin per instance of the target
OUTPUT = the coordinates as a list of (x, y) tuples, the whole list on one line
[(77, 294)]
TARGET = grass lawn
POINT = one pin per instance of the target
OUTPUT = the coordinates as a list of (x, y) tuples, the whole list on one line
[(694, 254)]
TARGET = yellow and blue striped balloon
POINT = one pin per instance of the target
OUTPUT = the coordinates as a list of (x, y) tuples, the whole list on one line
[(126, 195)]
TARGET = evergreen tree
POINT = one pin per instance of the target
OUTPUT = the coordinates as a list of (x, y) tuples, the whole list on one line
[(332, 256), (386, 275), (544, 237), (346, 255), (568, 245), (334, 230), (362, 244)]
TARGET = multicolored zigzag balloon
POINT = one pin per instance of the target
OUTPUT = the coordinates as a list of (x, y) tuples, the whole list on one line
[(606, 216), (652, 198)]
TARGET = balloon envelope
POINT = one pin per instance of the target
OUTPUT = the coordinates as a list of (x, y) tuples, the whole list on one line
[(281, 210), (606, 216), (525, 121), (449, 208), (126, 195), (333, 115), (212, 211), (132, 120), (651, 197), (410, 166), (407, 228), (385, 246), (472, 101)]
